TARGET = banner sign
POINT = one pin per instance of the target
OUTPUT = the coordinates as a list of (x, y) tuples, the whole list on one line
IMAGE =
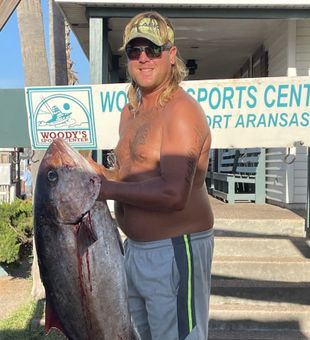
[(253, 112)]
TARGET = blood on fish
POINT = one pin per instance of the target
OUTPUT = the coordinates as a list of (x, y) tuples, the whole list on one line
[(92, 234), (85, 308), (88, 271)]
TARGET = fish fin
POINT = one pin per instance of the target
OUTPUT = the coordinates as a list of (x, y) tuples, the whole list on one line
[(51, 318)]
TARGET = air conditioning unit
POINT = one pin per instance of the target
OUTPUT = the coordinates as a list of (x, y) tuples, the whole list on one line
[(5, 174)]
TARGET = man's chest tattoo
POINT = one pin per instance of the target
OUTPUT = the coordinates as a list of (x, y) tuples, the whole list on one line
[(139, 139)]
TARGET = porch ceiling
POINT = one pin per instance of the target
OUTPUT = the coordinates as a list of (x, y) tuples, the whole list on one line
[(219, 45)]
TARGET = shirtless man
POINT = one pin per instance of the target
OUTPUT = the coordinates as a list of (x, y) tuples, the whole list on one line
[(158, 185)]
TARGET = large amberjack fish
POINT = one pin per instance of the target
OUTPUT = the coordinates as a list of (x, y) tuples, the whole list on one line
[(79, 250)]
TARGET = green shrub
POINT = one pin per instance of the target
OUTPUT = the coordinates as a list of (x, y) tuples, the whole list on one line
[(9, 246), (16, 229)]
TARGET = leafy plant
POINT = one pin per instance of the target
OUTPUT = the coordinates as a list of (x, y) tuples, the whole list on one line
[(16, 229)]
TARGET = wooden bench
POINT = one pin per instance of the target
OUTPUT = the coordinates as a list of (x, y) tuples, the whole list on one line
[(241, 176)]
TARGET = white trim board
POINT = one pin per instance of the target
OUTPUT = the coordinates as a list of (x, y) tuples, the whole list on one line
[(207, 3)]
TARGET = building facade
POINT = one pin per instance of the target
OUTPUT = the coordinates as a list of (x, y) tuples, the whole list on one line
[(223, 39)]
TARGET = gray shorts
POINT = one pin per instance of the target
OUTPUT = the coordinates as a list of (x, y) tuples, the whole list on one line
[(169, 284)]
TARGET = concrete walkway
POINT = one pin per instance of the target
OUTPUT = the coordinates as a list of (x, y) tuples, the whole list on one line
[(264, 219), (253, 211), (260, 273)]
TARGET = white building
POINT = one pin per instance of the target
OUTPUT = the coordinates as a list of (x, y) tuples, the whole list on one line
[(225, 39)]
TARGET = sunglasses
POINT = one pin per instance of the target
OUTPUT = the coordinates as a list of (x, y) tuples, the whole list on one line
[(152, 51)]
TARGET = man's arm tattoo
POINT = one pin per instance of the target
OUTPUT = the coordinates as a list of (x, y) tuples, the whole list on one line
[(191, 166), (192, 157)]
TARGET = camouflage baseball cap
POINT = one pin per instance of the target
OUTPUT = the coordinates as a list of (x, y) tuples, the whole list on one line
[(149, 28)]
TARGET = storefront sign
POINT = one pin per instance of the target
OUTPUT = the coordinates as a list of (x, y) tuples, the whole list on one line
[(256, 112)]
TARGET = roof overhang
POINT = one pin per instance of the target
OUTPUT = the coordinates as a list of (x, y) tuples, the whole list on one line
[(180, 12), (195, 3), (78, 12)]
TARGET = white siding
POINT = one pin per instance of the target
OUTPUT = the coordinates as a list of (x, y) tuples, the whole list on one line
[(302, 69), (276, 180), (276, 175), (286, 184), (276, 45), (288, 46), (303, 47), (300, 176)]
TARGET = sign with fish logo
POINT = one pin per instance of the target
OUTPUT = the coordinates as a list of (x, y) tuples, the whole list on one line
[(61, 112), (242, 113)]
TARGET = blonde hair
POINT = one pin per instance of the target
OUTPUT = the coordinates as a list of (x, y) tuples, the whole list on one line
[(178, 69)]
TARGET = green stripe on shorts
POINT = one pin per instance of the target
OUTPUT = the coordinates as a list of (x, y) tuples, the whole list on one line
[(189, 284)]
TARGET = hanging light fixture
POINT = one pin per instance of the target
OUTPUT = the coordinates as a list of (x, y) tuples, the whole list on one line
[(191, 65)]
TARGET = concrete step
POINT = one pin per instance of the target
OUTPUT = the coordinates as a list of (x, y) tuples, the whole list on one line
[(259, 310), (286, 269), (260, 281), (273, 247), (285, 259), (272, 295), (235, 318), (261, 226), (258, 335)]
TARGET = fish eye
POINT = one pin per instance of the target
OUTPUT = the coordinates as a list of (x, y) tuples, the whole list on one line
[(52, 176)]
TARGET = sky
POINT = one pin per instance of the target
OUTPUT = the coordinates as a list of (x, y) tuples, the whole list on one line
[(11, 67)]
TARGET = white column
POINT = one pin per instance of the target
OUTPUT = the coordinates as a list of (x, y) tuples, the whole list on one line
[(291, 72)]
